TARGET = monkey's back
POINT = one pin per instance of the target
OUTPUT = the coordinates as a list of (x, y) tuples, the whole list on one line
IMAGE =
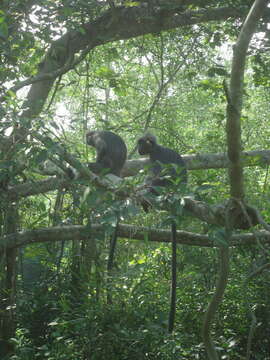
[(116, 150), (167, 156)]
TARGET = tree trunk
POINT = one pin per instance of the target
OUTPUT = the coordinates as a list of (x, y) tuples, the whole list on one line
[(8, 288)]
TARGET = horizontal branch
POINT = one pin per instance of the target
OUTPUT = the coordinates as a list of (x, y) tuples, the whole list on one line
[(211, 214), (205, 161), (132, 232), (214, 214), (34, 188), (193, 162)]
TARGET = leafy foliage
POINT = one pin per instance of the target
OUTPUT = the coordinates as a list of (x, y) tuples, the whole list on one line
[(171, 83)]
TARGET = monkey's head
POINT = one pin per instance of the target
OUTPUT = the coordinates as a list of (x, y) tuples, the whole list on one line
[(90, 138), (146, 144)]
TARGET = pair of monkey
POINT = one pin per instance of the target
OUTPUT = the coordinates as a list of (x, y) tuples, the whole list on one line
[(112, 154)]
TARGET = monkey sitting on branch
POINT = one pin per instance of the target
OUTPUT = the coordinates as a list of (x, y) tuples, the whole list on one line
[(159, 155), (111, 157), (164, 177), (111, 152)]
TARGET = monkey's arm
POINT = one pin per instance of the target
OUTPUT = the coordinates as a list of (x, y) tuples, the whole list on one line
[(101, 148), (99, 166)]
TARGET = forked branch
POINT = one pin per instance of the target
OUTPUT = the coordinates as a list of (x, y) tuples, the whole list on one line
[(233, 127)]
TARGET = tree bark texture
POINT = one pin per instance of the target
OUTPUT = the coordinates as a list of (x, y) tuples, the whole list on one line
[(8, 291), (132, 232), (234, 107)]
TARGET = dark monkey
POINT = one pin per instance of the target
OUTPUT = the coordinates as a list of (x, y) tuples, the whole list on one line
[(111, 156), (111, 151), (158, 155)]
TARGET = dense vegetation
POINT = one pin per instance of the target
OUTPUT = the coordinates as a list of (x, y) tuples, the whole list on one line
[(129, 67)]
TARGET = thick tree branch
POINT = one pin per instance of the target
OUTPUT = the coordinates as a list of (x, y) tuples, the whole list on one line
[(214, 214), (205, 161), (234, 99), (35, 188), (193, 162), (79, 232), (233, 127), (115, 24), (69, 65)]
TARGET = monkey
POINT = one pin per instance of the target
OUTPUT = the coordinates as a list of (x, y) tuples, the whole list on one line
[(159, 155), (111, 157), (111, 152)]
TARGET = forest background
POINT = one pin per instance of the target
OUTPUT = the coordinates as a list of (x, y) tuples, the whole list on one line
[(197, 74)]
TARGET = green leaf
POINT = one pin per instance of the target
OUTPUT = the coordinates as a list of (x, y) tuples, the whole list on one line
[(219, 237), (6, 164), (217, 70), (105, 72), (41, 157), (131, 3), (3, 30)]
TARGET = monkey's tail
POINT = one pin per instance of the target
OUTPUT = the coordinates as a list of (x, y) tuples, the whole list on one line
[(113, 241), (173, 279)]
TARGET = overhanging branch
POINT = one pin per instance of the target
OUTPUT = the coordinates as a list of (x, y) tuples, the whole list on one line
[(121, 23)]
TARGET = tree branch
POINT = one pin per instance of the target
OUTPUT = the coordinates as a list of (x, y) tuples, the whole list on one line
[(212, 308), (214, 214), (234, 98), (79, 232), (205, 161), (131, 22)]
